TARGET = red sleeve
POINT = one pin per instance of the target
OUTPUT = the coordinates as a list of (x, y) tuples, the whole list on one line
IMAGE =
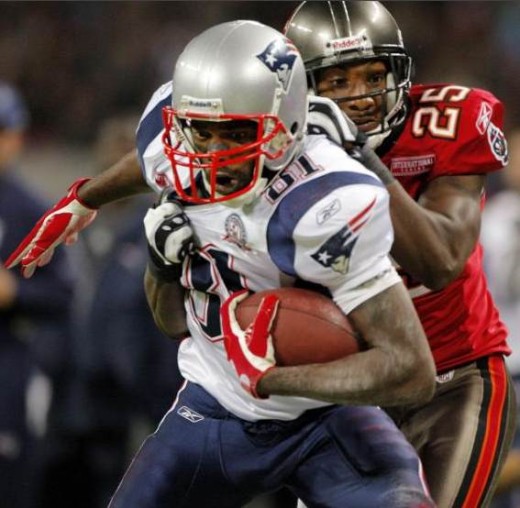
[(462, 126)]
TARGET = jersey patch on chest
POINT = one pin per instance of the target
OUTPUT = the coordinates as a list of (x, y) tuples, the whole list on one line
[(409, 166), (235, 231)]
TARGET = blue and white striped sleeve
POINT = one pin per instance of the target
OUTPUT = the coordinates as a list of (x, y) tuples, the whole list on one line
[(154, 165)]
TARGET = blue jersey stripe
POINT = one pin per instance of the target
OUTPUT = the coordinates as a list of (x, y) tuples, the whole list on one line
[(151, 125), (293, 207)]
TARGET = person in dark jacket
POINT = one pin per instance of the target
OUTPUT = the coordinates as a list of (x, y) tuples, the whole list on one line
[(34, 318)]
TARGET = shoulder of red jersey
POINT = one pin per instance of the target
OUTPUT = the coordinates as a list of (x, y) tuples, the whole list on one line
[(459, 128)]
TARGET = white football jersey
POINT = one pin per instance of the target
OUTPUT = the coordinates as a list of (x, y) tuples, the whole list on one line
[(323, 221)]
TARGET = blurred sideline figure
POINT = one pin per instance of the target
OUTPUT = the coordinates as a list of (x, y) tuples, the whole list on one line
[(501, 240), (34, 319), (124, 372)]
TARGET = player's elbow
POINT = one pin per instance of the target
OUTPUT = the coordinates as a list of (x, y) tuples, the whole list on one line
[(422, 378), (174, 329), (417, 383), (441, 274), (424, 388)]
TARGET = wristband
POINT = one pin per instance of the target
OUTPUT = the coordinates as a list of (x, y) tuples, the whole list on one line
[(161, 271)]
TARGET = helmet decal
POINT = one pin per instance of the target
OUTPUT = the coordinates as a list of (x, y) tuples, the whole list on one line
[(279, 57), (356, 42)]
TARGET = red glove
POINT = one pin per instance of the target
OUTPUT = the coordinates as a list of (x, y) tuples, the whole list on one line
[(60, 224), (251, 351)]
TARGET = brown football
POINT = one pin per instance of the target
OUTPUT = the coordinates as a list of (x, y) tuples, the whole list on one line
[(309, 327)]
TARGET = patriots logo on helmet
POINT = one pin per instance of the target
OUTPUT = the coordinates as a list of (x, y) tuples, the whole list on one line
[(336, 251), (279, 57)]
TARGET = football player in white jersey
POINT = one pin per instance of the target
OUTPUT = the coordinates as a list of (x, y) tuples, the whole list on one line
[(257, 204), (254, 203)]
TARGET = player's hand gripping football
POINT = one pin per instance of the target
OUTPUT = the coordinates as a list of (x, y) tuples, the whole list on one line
[(251, 351), (326, 117), (61, 224), (170, 237)]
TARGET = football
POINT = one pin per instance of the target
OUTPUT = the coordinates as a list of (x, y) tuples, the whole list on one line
[(309, 327)]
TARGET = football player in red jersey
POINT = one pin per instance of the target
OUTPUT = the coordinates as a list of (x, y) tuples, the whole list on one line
[(437, 143)]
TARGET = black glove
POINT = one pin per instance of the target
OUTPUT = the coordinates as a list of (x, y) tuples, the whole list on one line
[(170, 238)]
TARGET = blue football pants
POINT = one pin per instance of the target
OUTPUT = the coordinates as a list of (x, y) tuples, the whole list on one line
[(202, 456)]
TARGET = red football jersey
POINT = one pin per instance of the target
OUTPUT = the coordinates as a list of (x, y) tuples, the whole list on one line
[(453, 130)]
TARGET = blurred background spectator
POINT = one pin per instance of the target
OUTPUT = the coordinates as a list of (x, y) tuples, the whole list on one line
[(122, 372), (34, 319), (80, 62)]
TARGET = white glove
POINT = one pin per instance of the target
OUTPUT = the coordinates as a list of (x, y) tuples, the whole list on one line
[(326, 117), (170, 238)]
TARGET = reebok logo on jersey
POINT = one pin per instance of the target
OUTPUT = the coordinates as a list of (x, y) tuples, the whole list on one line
[(328, 211), (189, 414), (408, 166), (484, 118), (446, 377)]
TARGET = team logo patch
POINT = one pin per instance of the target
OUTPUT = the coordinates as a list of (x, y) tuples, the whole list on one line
[(495, 136), (409, 166), (235, 231), (335, 253), (279, 57), (189, 414), (498, 144)]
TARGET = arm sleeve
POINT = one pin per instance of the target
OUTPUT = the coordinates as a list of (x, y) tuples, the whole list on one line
[(154, 165), (342, 241), (479, 145)]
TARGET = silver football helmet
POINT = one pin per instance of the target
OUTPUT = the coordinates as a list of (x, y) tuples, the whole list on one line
[(330, 34), (240, 70)]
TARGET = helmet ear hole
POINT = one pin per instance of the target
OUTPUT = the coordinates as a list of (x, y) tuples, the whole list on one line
[(294, 128)]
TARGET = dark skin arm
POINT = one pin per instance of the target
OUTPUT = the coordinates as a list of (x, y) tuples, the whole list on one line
[(397, 368), (166, 301), (121, 180), (435, 236)]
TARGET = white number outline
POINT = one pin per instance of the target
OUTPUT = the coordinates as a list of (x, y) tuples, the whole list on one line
[(430, 118)]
